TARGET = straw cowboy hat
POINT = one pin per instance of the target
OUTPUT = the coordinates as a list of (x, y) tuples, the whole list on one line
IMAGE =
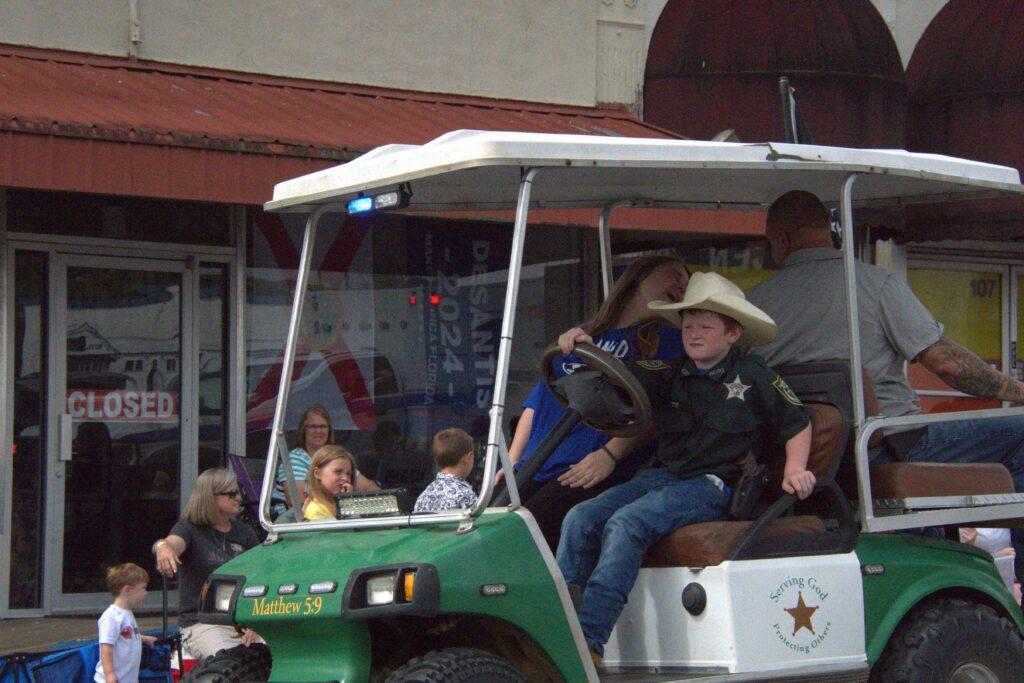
[(712, 292)]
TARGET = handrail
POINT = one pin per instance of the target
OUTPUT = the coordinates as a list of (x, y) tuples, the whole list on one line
[(932, 517), (494, 434)]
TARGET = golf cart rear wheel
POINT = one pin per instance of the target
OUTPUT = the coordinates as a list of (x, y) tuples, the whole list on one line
[(237, 665), (953, 640), (457, 665)]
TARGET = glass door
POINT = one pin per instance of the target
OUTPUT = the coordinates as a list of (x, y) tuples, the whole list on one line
[(120, 346)]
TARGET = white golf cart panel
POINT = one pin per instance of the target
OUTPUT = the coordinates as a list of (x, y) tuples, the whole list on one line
[(481, 170), (745, 627)]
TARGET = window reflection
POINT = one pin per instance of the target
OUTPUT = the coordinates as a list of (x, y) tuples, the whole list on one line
[(28, 499), (123, 394), (211, 319), (400, 332)]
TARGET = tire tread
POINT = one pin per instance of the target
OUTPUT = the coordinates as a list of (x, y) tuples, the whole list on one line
[(927, 643), (457, 665)]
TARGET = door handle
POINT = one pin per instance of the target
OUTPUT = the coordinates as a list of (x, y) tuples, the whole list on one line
[(65, 438)]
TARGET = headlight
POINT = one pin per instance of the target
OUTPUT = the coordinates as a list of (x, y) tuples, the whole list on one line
[(412, 589), (380, 589), (217, 599), (222, 593)]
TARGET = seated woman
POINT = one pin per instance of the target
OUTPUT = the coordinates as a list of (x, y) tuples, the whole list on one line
[(207, 535), (330, 472), (315, 430), (625, 327)]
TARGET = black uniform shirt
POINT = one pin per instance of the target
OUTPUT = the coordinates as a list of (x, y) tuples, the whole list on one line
[(708, 422)]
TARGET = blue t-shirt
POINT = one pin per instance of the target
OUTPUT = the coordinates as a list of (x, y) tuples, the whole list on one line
[(582, 440)]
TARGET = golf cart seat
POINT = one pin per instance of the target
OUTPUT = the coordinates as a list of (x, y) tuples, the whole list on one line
[(925, 479), (710, 543), (894, 482)]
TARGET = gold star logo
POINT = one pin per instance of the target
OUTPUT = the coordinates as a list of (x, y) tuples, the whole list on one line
[(736, 389), (801, 615)]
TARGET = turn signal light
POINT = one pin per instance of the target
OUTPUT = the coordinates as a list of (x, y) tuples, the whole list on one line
[(410, 583)]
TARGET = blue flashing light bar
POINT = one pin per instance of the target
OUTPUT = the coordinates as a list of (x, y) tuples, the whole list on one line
[(360, 205), (394, 199)]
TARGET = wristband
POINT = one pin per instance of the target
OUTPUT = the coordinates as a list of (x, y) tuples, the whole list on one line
[(610, 454), (158, 544)]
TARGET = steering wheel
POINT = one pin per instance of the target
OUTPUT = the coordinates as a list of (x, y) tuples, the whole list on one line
[(606, 394)]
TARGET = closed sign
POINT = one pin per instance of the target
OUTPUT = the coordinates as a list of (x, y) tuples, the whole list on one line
[(126, 405)]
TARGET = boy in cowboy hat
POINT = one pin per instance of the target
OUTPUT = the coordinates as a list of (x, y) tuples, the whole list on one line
[(711, 408)]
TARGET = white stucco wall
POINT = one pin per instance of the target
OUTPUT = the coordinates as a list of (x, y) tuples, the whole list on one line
[(907, 20), (528, 49), (565, 51)]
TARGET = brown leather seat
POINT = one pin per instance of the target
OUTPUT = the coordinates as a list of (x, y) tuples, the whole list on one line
[(925, 479), (922, 479), (709, 543)]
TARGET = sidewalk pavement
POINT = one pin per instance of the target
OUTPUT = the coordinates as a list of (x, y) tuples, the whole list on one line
[(36, 635)]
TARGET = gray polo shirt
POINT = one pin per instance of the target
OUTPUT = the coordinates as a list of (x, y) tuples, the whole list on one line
[(807, 300)]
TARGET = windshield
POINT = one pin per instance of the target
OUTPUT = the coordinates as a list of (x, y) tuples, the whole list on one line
[(399, 335)]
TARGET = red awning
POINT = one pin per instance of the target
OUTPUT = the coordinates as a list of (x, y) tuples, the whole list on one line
[(87, 123)]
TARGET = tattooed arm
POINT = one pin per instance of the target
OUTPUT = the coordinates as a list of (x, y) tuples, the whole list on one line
[(961, 369)]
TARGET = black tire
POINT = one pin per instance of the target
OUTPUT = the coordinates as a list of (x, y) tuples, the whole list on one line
[(951, 639), (457, 665), (238, 665)]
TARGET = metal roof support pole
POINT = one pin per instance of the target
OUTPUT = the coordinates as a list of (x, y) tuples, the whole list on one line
[(853, 320), (494, 434), (604, 238), (278, 445)]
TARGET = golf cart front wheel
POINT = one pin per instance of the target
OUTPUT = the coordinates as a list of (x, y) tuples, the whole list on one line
[(457, 665), (238, 665), (953, 640)]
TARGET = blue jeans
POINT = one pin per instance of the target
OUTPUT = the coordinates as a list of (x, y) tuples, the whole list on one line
[(1000, 440), (604, 539)]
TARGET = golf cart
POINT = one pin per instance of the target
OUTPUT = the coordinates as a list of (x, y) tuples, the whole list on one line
[(808, 590)]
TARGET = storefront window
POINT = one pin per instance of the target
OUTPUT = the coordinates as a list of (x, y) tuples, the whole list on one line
[(118, 218), (969, 303), (743, 264), (28, 500), (1018, 357)]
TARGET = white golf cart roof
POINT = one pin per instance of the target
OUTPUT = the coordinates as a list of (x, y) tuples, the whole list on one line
[(469, 169), (475, 170)]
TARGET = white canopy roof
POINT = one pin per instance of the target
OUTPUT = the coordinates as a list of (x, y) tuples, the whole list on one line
[(481, 170)]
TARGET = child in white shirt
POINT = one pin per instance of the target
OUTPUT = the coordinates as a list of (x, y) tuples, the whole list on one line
[(120, 641)]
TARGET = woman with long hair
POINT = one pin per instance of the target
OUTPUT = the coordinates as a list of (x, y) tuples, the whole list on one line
[(207, 535), (626, 328), (315, 431)]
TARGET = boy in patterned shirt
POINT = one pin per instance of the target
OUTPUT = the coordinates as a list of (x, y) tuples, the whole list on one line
[(453, 453)]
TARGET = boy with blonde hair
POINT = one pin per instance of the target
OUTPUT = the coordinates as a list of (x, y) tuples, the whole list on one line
[(453, 453), (120, 641)]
